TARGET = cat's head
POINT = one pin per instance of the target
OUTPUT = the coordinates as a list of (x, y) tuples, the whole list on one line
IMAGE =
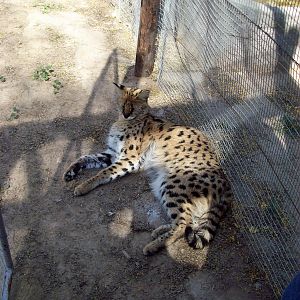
[(133, 102)]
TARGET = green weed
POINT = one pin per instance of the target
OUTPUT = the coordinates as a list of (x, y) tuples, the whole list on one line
[(43, 73), (46, 8), (47, 73), (57, 85), (2, 78), (14, 114)]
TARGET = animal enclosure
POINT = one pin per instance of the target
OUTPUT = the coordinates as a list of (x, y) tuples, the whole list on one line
[(231, 68)]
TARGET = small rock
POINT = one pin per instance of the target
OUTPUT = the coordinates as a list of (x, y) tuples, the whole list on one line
[(257, 285), (110, 213), (126, 254)]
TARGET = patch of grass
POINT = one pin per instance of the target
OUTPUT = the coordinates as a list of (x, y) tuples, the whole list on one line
[(43, 73), (47, 7), (47, 73), (2, 78), (14, 114)]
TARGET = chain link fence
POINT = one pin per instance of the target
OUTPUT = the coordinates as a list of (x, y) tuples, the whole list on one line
[(231, 68)]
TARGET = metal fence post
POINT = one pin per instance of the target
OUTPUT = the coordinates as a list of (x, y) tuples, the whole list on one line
[(146, 46)]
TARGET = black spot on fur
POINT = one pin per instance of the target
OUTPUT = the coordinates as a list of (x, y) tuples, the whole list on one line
[(193, 178), (167, 138), (182, 187), (171, 204), (181, 210), (124, 170), (205, 192), (195, 194), (213, 222), (184, 195), (173, 216), (172, 194), (187, 172), (180, 201), (131, 147), (209, 229), (170, 186), (158, 120), (181, 133), (176, 181)]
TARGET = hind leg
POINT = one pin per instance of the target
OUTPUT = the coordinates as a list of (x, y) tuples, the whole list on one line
[(165, 239), (160, 230), (92, 161)]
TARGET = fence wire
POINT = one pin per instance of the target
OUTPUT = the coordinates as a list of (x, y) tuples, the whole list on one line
[(231, 68)]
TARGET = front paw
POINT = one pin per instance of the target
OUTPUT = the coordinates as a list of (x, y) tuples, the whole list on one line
[(151, 248), (72, 172), (81, 189)]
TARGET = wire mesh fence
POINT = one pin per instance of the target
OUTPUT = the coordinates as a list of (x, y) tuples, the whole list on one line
[(231, 68), (129, 13)]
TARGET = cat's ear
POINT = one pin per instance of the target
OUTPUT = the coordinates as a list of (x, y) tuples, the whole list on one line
[(144, 95), (120, 86)]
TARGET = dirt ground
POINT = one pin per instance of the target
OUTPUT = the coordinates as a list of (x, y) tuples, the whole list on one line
[(89, 247)]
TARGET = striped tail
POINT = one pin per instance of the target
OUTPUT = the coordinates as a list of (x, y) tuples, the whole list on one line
[(198, 236)]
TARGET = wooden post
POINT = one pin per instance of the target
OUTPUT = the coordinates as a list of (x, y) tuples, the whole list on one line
[(146, 47)]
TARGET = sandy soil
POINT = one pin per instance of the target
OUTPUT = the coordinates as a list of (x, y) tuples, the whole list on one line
[(89, 247)]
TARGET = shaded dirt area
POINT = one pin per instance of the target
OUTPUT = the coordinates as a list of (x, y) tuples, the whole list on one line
[(89, 247)]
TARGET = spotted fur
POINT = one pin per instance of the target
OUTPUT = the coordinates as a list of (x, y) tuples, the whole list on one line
[(184, 170)]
